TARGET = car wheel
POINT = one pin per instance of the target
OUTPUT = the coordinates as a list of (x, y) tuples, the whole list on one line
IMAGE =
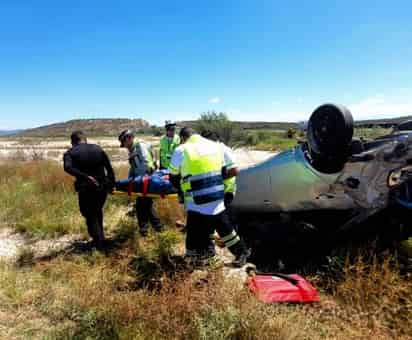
[(330, 131)]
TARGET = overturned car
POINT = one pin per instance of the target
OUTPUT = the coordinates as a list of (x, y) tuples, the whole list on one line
[(327, 187)]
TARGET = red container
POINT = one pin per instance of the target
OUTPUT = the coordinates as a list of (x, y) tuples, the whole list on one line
[(284, 288)]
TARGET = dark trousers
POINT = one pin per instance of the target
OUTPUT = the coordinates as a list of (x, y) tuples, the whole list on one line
[(91, 204), (229, 197), (146, 213), (200, 232)]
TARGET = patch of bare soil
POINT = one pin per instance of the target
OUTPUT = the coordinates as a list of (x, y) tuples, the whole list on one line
[(12, 245)]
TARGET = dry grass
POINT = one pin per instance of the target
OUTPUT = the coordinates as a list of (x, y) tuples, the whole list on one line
[(38, 198), (96, 296), (376, 297), (371, 133)]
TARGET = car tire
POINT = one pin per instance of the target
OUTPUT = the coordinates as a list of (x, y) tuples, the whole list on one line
[(329, 135)]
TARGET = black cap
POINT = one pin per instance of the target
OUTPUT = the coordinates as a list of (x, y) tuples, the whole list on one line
[(169, 124), (123, 135)]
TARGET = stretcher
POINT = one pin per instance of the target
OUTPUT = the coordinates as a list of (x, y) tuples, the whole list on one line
[(156, 185), (139, 194)]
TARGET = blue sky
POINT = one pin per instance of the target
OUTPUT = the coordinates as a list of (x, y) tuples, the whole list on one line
[(255, 60)]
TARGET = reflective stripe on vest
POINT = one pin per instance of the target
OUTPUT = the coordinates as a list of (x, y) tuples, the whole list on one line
[(204, 189), (202, 180), (230, 185)]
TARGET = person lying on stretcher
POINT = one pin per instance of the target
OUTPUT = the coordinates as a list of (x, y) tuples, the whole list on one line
[(158, 183)]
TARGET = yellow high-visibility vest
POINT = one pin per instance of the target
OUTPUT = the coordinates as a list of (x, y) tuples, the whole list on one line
[(167, 147), (201, 171)]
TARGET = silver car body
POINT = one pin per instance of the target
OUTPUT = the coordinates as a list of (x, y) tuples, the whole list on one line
[(287, 182)]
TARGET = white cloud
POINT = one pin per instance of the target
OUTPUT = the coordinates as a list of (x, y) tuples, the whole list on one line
[(214, 100), (379, 106)]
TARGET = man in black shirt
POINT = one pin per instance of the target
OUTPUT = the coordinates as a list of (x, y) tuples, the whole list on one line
[(94, 178)]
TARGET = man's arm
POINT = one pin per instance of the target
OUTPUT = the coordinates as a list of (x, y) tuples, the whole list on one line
[(229, 173), (175, 162), (175, 180), (109, 168), (70, 168), (146, 154), (175, 174), (230, 168)]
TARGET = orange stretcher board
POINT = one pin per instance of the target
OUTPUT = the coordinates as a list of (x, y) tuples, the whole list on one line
[(139, 194)]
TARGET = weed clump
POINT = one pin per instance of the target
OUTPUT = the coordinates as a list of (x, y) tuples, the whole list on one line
[(156, 260)]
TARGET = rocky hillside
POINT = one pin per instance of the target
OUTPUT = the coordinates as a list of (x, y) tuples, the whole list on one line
[(112, 127), (92, 127), (250, 125), (383, 122), (9, 132)]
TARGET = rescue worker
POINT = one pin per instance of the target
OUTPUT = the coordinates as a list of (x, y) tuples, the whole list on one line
[(94, 178), (168, 143), (200, 166), (141, 163), (229, 183)]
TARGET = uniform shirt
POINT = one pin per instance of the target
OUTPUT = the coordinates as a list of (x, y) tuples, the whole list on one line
[(212, 208), (230, 161), (140, 159), (167, 146), (85, 160)]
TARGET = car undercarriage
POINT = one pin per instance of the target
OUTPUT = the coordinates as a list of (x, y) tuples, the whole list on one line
[(330, 188)]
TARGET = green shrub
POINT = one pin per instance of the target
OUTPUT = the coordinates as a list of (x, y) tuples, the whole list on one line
[(233, 135), (251, 139), (219, 123), (266, 140), (216, 324)]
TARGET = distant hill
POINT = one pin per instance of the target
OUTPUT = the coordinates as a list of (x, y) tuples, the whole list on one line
[(250, 125), (266, 125), (92, 127), (384, 122), (112, 127), (9, 132)]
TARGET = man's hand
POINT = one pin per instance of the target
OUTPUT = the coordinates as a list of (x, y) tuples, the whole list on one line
[(93, 180), (229, 173)]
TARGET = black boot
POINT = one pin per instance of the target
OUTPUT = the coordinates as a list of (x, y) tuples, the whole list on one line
[(241, 253), (144, 230), (242, 259)]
